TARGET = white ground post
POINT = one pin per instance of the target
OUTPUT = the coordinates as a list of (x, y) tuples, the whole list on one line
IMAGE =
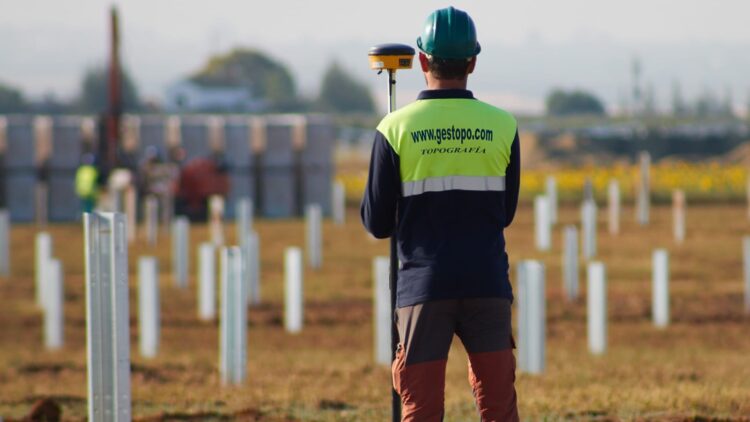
[(597, 308), (43, 246), (660, 286), (746, 261), (542, 223), (180, 247), (4, 243), (240, 303), (570, 262), (206, 281), (678, 215), (216, 212), (53, 309), (233, 333), (151, 215), (251, 253), (244, 215), (551, 193), (382, 317), (293, 290), (226, 329), (107, 317), (339, 203), (531, 317), (314, 235), (613, 206), (148, 306), (643, 193), (588, 222)]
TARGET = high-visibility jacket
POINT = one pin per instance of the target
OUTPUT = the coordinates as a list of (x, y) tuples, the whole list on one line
[(444, 176), (86, 176)]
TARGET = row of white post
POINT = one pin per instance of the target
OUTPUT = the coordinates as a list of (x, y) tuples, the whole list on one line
[(531, 305), (180, 261), (244, 212), (531, 296), (642, 200), (106, 236), (107, 312), (544, 211)]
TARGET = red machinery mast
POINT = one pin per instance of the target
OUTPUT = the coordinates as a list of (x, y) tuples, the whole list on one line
[(114, 98)]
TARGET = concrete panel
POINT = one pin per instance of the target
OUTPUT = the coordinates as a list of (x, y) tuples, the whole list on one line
[(67, 140), (241, 185), (278, 197), (194, 130), (279, 143), (20, 142), (320, 138), (278, 190), (316, 186), (19, 186), (63, 202), (238, 137)]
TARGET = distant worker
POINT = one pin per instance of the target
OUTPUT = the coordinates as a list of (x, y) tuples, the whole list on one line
[(444, 179), (87, 186), (200, 179)]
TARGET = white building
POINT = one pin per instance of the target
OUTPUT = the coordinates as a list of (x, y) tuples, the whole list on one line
[(188, 96)]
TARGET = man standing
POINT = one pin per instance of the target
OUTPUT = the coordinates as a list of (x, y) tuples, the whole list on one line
[(444, 178)]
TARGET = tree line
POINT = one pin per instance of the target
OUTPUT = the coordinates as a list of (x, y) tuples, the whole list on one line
[(267, 79), (271, 82)]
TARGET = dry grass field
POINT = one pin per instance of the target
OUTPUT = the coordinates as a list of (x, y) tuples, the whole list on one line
[(696, 369)]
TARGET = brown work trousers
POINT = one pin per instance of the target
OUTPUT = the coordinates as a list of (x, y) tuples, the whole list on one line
[(426, 331)]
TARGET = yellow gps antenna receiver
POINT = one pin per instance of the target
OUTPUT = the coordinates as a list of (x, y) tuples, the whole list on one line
[(391, 57)]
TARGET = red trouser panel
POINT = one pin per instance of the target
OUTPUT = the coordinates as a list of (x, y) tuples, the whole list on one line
[(421, 387), (491, 375), (426, 331)]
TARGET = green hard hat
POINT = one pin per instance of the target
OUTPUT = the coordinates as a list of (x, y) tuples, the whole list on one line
[(449, 34)]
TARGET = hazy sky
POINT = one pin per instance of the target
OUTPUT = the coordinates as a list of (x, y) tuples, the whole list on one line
[(529, 45)]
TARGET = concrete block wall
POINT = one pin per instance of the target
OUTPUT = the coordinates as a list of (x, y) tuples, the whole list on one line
[(282, 162)]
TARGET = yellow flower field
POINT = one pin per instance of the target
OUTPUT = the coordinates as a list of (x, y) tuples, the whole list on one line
[(701, 182)]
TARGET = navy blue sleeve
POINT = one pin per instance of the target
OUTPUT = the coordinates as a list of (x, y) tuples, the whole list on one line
[(512, 181), (383, 189)]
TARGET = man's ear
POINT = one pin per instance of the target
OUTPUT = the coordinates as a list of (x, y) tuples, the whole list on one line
[(472, 64), (423, 62)]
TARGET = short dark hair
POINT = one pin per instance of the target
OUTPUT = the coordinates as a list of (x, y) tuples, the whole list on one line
[(448, 68)]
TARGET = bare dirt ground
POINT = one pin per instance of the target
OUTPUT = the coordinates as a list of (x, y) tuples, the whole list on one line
[(696, 369)]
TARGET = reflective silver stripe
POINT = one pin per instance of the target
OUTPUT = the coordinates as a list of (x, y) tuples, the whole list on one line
[(441, 184)]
